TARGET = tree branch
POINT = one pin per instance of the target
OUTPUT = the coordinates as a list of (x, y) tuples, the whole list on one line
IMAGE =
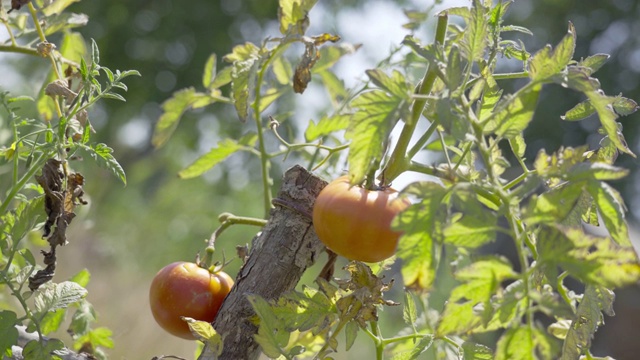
[(280, 253)]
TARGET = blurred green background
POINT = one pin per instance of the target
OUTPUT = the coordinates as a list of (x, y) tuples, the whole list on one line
[(128, 233)]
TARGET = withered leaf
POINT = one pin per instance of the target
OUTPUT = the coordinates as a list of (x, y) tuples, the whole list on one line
[(17, 4), (59, 204), (366, 294), (302, 76)]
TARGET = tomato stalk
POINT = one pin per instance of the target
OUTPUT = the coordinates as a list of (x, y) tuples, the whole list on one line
[(226, 220), (400, 160)]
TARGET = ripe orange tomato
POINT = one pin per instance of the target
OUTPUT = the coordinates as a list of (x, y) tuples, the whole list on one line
[(185, 289), (355, 222)]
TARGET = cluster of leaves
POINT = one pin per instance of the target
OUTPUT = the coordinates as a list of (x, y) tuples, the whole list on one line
[(41, 191), (473, 127)]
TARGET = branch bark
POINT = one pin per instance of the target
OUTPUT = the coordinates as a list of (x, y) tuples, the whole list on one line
[(280, 253)]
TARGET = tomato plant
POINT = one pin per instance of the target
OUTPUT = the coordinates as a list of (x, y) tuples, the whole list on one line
[(355, 222), (184, 289)]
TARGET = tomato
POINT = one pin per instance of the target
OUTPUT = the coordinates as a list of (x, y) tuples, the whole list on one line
[(186, 289), (355, 222)]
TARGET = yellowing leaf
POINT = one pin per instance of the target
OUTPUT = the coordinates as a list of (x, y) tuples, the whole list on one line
[(292, 15), (204, 332)]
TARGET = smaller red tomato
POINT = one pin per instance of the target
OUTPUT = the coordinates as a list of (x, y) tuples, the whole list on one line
[(355, 222), (185, 289)]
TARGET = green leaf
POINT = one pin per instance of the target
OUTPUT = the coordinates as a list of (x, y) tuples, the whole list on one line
[(547, 63), (409, 312), (243, 77), (64, 21), (96, 337), (612, 210), (473, 351), (8, 331), (516, 344), (207, 161), (271, 336), (351, 333), (222, 78), (481, 279), (209, 74), (458, 318), (73, 46), (35, 350), (555, 205), (57, 7), (334, 86), (82, 319), (594, 62), (113, 96), (330, 54), (472, 230), (588, 318), (592, 259), (376, 114), (518, 145), (292, 15), (577, 78), (604, 106), (475, 36), (81, 278), (25, 218), (623, 106), (52, 296), (173, 109), (327, 125), (51, 321), (282, 69), (416, 246), (422, 345), (514, 114), (508, 306), (395, 84), (101, 153), (595, 171), (580, 111)]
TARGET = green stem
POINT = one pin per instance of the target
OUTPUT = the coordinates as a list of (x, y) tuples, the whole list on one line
[(379, 341), (399, 161), (43, 38), (506, 76), (35, 166), (265, 163), (422, 141), (226, 220), (19, 50)]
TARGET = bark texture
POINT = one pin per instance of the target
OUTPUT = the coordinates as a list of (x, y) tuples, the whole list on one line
[(280, 253)]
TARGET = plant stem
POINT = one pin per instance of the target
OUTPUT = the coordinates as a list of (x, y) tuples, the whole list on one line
[(35, 166), (265, 163), (379, 342), (19, 50), (422, 141), (227, 220), (43, 38), (399, 161)]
